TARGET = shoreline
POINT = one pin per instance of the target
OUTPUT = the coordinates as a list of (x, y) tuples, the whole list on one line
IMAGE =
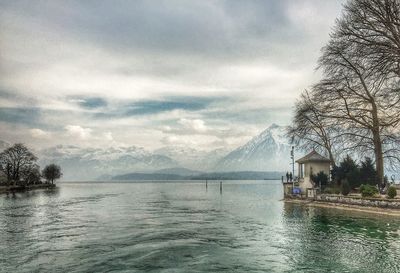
[(14, 189), (345, 207)]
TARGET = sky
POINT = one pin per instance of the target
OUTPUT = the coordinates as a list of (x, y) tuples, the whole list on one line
[(200, 74)]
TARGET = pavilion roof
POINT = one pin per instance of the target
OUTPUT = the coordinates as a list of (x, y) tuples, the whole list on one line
[(313, 157)]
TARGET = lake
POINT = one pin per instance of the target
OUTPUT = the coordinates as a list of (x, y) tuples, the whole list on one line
[(182, 227)]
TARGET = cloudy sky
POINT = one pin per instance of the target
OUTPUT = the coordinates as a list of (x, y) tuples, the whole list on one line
[(204, 74)]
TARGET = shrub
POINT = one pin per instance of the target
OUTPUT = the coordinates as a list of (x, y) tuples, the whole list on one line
[(349, 170), (368, 190), (321, 179), (368, 172), (346, 188), (354, 178), (345, 167), (332, 190), (392, 192)]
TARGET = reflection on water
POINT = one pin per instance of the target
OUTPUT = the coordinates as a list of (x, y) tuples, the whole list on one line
[(184, 227), (342, 240)]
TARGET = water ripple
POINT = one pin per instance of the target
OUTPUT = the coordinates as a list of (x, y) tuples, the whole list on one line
[(155, 227)]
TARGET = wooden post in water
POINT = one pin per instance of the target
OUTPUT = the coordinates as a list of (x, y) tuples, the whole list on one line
[(220, 187), (206, 184)]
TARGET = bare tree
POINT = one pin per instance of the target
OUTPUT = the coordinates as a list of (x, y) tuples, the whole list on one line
[(15, 159), (373, 26), (359, 99), (52, 172), (360, 90), (310, 129), (31, 174)]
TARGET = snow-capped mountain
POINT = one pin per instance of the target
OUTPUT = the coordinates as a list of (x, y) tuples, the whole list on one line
[(90, 163), (266, 152)]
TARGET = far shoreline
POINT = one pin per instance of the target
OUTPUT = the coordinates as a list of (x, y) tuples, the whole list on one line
[(21, 188)]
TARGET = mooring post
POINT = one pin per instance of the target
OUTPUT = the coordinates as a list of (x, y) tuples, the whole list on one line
[(220, 187), (206, 184)]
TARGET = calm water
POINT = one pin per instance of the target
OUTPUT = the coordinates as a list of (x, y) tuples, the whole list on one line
[(179, 227)]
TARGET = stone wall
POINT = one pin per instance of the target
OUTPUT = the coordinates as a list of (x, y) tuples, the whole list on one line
[(351, 200)]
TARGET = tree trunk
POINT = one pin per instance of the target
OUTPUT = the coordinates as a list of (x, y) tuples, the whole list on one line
[(379, 159), (333, 163), (377, 146)]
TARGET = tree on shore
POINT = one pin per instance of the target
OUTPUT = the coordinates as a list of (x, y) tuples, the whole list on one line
[(310, 130), (52, 172), (15, 160), (347, 171), (360, 89), (372, 27), (359, 100), (31, 175)]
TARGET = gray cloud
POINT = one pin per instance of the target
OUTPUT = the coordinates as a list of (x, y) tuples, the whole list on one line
[(89, 102), (164, 104), (21, 115), (150, 71)]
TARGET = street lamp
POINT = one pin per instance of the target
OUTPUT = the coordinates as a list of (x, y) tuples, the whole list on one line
[(292, 157)]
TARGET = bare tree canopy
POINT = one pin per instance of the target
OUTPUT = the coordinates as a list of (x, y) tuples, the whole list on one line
[(310, 129), (52, 172), (359, 93), (373, 27), (15, 160)]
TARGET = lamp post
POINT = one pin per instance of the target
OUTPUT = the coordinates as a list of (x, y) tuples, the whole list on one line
[(292, 157)]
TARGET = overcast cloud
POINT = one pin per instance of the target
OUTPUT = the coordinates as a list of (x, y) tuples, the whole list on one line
[(151, 73)]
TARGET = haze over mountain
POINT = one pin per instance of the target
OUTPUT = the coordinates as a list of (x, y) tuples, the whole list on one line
[(193, 158), (90, 163), (265, 152)]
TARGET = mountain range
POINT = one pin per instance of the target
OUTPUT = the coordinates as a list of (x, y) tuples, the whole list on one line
[(186, 174), (266, 152)]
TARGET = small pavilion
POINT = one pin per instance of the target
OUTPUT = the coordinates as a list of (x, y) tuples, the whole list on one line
[(312, 163)]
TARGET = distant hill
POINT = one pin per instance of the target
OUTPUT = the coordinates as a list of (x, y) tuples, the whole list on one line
[(147, 176), (267, 152), (179, 171), (245, 175)]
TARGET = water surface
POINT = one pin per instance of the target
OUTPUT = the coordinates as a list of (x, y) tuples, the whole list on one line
[(181, 227)]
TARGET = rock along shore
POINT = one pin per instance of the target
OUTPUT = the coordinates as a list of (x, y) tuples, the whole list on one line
[(352, 203)]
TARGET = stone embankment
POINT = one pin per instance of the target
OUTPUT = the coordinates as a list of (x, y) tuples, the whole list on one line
[(359, 201), (356, 204)]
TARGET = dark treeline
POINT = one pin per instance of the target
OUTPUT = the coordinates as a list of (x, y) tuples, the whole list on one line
[(18, 167), (355, 107)]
